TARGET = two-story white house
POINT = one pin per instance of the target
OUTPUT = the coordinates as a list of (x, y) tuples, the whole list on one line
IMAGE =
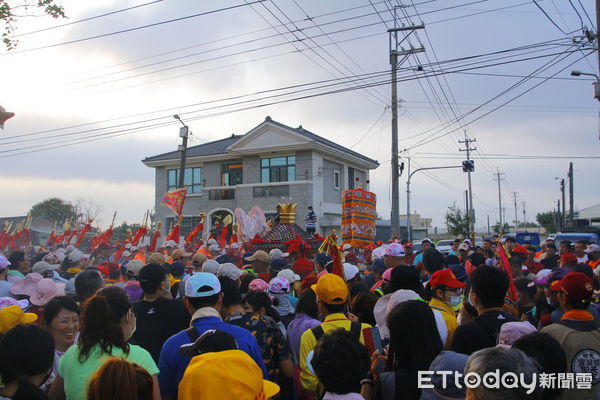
[(271, 163)]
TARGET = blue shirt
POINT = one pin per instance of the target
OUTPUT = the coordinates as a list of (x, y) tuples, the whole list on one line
[(172, 365), (418, 259)]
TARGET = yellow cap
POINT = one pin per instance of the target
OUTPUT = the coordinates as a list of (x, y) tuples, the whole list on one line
[(229, 374), (331, 289), (12, 316)]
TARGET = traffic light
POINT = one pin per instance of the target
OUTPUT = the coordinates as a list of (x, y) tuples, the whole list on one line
[(468, 166)]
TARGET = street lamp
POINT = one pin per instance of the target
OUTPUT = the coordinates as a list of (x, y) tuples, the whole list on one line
[(183, 134), (596, 84)]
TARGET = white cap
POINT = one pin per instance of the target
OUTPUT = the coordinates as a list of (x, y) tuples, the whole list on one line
[(77, 255), (214, 247), (210, 266), (350, 271), (346, 247), (427, 240), (170, 243), (230, 271), (289, 275), (43, 266), (276, 253), (593, 248), (211, 241), (463, 246)]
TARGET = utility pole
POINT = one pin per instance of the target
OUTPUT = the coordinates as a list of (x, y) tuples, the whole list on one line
[(561, 220), (394, 53), (183, 134), (597, 29), (471, 213), (516, 214), (499, 178), (571, 205), (488, 219), (524, 216), (563, 216)]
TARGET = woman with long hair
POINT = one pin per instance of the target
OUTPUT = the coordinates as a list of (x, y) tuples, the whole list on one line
[(107, 323), (414, 343), (120, 380), (26, 355)]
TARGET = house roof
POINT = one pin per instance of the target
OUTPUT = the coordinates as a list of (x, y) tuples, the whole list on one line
[(220, 146), (205, 149)]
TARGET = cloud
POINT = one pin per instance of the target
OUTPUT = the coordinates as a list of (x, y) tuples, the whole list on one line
[(130, 199)]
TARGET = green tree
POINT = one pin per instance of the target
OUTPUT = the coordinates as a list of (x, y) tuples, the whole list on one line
[(457, 222), (55, 209), (496, 228), (120, 232), (17, 9), (547, 220)]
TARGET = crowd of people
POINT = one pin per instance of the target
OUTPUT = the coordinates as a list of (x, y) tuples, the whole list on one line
[(230, 323)]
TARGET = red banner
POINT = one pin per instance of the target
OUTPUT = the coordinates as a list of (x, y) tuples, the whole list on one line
[(506, 266), (174, 199)]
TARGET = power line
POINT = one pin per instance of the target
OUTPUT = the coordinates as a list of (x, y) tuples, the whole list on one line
[(132, 29), (88, 19), (549, 18)]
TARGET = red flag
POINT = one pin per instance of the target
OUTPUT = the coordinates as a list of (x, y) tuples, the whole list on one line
[(174, 234), (154, 240), (506, 266), (83, 231), (191, 237), (139, 234), (174, 199)]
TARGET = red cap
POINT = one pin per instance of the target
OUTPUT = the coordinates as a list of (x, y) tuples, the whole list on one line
[(577, 287), (303, 267), (520, 249), (408, 244), (445, 277), (103, 270), (569, 259)]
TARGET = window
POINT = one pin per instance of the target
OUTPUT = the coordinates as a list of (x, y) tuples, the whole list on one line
[(271, 191), (221, 194), (231, 174), (187, 224), (336, 180), (191, 179), (278, 169), (350, 178)]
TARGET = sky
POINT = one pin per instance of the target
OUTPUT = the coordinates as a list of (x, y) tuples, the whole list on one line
[(90, 104)]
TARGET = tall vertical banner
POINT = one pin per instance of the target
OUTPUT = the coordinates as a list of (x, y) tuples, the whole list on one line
[(174, 200), (359, 213)]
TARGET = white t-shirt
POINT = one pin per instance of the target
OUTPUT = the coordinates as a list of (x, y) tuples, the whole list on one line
[(583, 259)]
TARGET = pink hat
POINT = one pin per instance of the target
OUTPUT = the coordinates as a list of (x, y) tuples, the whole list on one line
[(510, 332), (258, 285), (279, 285), (322, 273), (47, 289), (3, 261), (28, 285), (387, 275), (395, 250)]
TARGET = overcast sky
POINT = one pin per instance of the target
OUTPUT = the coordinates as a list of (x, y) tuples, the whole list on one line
[(87, 89)]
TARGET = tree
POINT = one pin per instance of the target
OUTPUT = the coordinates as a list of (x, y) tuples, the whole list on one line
[(10, 13), (547, 220), (457, 222), (120, 232), (88, 209), (505, 228), (55, 209)]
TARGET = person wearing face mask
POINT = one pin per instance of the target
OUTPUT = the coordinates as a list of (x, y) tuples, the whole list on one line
[(26, 355), (108, 322), (488, 289), (446, 292), (158, 315)]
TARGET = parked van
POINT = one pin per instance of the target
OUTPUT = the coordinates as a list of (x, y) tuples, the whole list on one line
[(531, 237)]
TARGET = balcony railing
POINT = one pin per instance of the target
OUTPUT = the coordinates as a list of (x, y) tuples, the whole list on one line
[(271, 191)]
